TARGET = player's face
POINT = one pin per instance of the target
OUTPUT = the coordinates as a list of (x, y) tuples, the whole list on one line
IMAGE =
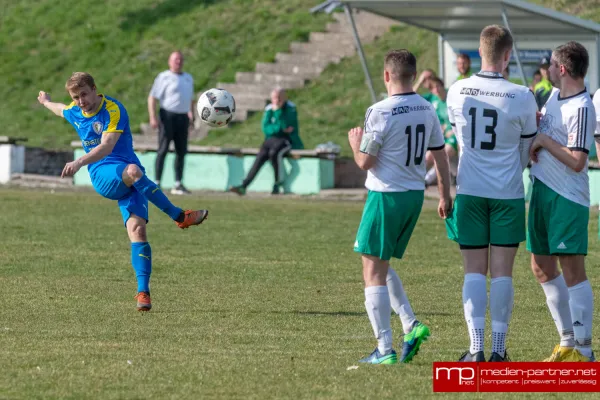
[(462, 65), (554, 72), (85, 98)]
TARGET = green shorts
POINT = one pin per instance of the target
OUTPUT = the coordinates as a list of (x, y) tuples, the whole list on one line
[(387, 223), (478, 222), (451, 140), (556, 225)]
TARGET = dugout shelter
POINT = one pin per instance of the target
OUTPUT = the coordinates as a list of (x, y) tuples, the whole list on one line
[(536, 31)]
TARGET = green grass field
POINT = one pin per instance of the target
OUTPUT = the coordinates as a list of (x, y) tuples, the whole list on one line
[(264, 300)]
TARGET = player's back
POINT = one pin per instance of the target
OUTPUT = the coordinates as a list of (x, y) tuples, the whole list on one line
[(405, 126), (490, 115)]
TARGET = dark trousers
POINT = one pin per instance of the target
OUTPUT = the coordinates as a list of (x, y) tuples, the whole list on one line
[(173, 127), (274, 148)]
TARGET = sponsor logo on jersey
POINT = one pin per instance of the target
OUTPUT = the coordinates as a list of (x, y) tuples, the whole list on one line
[(408, 109), (480, 92)]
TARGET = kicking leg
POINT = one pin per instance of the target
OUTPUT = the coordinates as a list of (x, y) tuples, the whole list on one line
[(133, 176)]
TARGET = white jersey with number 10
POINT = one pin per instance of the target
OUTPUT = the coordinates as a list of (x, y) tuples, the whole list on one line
[(398, 131)]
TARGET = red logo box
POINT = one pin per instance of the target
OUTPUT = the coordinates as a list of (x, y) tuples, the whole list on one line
[(516, 377)]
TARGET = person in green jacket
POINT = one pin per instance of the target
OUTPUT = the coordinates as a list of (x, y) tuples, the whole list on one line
[(280, 126), (544, 87)]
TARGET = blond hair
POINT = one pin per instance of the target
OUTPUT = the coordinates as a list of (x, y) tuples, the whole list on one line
[(494, 41), (79, 80)]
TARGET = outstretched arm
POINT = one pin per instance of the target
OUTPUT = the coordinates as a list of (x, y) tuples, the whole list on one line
[(56, 108)]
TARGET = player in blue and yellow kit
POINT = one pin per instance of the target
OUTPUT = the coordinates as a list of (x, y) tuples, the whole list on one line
[(102, 124)]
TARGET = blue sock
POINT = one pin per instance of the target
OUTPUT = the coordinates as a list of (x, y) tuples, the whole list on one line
[(152, 192), (141, 259)]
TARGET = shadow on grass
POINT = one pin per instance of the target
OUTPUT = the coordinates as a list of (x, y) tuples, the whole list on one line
[(142, 19)]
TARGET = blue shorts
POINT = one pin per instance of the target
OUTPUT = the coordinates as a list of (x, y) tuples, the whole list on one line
[(108, 182)]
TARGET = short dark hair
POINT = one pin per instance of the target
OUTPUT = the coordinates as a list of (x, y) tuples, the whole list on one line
[(537, 72), (401, 64), (574, 57), (494, 41), (465, 56)]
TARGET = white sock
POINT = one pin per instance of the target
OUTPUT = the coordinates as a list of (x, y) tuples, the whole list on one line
[(177, 183), (501, 305), (475, 305), (557, 298), (581, 302), (399, 301), (377, 303), (431, 176)]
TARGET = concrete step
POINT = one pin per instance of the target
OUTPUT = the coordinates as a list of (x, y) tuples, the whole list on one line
[(251, 103), (322, 49), (343, 38), (242, 114), (306, 71), (244, 89), (303, 58), (271, 79)]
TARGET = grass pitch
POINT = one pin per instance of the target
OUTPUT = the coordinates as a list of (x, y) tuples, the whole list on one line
[(264, 300)]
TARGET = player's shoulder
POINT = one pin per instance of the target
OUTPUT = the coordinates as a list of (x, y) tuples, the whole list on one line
[(114, 106), (164, 74), (290, 104), (582, 99)]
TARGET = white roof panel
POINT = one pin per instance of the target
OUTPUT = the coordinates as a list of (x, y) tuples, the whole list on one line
[(470, 16)]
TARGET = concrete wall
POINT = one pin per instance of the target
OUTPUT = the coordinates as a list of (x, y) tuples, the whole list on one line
[(41, 161), (220, 171)]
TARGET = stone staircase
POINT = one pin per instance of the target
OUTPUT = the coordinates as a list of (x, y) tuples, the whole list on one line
[(305, 61)]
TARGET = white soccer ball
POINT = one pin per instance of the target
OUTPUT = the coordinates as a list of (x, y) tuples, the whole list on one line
[(216, 108)]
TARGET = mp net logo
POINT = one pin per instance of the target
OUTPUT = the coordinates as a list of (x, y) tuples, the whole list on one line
[(516, 377)]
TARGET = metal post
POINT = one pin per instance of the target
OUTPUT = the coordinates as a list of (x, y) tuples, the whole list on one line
[(363, 61), (515, 48), (441, 58)]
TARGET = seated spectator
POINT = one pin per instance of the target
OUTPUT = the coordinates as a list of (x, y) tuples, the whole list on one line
[(463, 65), (543, 88), (438, 101), (280, 127)]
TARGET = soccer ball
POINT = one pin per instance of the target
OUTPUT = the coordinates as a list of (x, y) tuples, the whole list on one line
[(216, 108)]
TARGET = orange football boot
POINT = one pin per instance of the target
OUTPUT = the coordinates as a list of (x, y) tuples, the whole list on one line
[(193, 218), (144, 303)]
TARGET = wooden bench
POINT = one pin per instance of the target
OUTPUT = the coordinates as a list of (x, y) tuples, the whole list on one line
[(12, 139), (218, 168)]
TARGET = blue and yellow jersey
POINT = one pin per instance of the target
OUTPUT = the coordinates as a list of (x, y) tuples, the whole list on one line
[(110, 116)]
